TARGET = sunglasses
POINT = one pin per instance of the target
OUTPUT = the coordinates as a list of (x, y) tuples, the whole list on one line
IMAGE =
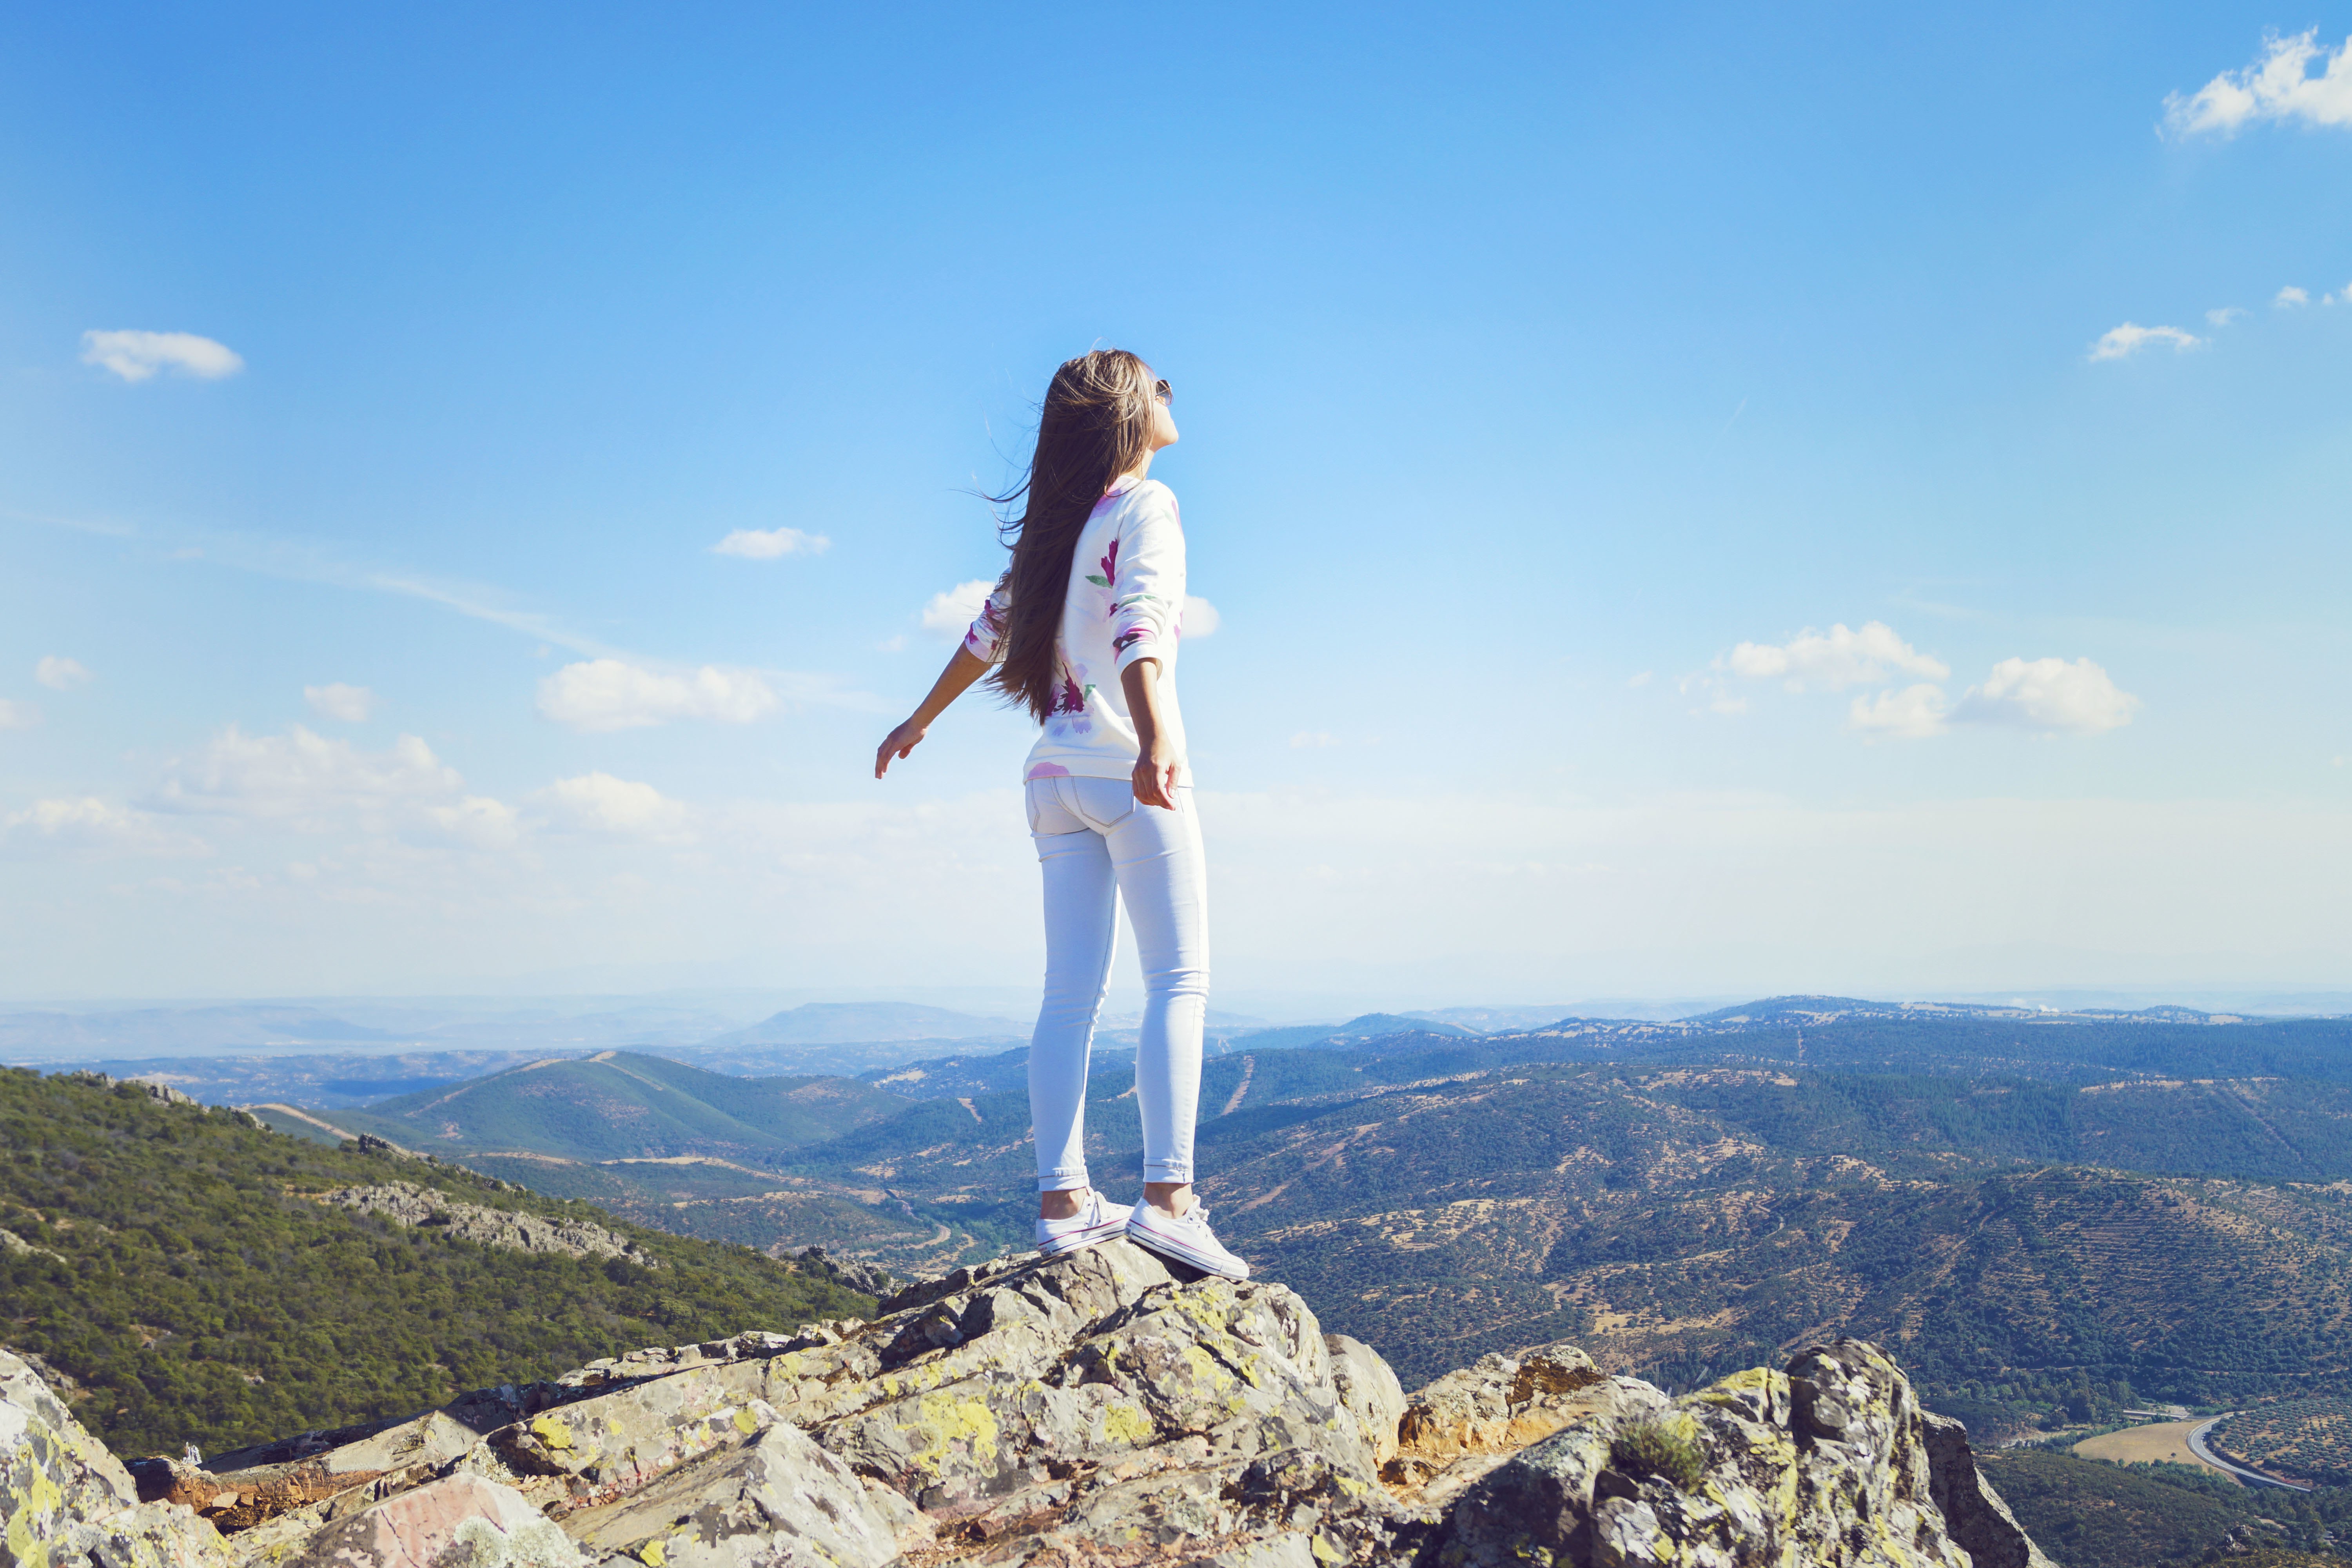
[(1163, 391)]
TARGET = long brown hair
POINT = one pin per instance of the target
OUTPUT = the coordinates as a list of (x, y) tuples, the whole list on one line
[(1096, 426)]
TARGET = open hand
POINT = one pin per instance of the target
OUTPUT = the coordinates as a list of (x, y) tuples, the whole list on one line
[(898, 744)]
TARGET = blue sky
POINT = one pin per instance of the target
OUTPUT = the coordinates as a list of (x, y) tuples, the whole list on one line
[(1554, 387)]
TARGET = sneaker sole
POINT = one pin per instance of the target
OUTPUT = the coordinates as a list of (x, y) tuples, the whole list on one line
[(1079, 1240), (1152, 1241)]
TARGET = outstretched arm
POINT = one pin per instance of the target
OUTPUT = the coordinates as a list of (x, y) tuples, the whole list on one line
[(963, 669)]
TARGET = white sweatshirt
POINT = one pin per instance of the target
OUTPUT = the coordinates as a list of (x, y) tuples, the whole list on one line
[(1126, 602)]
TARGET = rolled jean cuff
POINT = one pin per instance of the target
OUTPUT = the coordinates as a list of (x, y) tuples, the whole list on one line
[(1065, 1182), (1168, 1171)]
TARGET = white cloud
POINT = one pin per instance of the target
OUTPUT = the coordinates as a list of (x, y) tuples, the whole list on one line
[(601, 694), (1200, 617), (477, 820), (2341, 297), (18, 715), (1816, 661), (600, 802), (951, 614), (2117, 342), (2047, 694), (88, 822), (754, 544), (135, 356), (60, 674), (351, 704), (2291, 295), (1306, 739), (1914, 712), (303, 776), (1641, 680), (2225, 315), (2278, 85)]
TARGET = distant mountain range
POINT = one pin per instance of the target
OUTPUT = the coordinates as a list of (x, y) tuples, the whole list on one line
[(621, 1105), (847, 1023)]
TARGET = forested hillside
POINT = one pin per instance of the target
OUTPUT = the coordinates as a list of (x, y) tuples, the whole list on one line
[(175, 1264), (1685, 1220), (2088, 1514)]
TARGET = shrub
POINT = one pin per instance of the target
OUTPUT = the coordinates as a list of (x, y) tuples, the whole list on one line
[(1654, 1448)]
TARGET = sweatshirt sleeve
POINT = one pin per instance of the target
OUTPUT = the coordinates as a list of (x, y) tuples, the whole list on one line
[(986, 639), (1147, 594)]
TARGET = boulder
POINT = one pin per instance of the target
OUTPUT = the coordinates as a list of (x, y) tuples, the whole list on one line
[(464, 1521), (1826, 1463), (776, 1499), (68, 1503)]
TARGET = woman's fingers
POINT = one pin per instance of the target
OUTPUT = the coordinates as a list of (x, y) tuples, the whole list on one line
[(898, 742), (1156, 785)]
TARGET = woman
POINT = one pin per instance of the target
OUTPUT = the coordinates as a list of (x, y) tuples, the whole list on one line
[(1082, 631)]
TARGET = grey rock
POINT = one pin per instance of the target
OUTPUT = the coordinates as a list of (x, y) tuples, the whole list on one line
[(68, 1503), (11, 1242), (411, 1204), (1825, 1464), (464, 1521), (1974, 1513), (768, 1500), (1099, 1406)]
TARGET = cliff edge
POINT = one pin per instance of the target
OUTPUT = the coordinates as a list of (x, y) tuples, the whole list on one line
[(1093, 1407)]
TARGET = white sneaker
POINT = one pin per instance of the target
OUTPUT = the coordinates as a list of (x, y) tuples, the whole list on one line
[(1186, 1240), (1096, 1221)]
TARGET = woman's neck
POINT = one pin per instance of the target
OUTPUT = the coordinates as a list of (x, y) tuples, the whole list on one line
[(1141, 472)]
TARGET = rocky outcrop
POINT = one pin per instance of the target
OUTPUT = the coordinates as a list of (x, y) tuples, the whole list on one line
[(1827, 1464), (410, 1204), (1101, 1408), (11, 1242), (68, 1503)]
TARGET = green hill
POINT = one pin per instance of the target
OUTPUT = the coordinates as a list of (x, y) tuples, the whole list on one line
[(621, 1105), (177, 1266)]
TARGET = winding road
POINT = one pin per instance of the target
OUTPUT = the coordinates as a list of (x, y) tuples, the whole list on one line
[(2252, 1477)]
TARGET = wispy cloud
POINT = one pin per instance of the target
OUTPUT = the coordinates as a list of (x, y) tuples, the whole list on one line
[(754, 544), (1200, 619), (136, 356), (600, 802), (606, 694), (59, 673), (1832, 660), (351, 704), (18, 715), (302, 777), (2290, 297), (2278, 85), (950, 611), (87, 822), (2225, 315), (2120, 343), (1913, 713)]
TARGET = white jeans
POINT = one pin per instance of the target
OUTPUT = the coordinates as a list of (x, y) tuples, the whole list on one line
[(1099, 847)]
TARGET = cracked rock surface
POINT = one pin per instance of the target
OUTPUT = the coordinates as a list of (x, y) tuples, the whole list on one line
[(1095, 1407)]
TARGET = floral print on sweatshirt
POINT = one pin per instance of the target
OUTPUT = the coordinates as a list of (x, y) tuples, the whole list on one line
[(1127, 587)]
